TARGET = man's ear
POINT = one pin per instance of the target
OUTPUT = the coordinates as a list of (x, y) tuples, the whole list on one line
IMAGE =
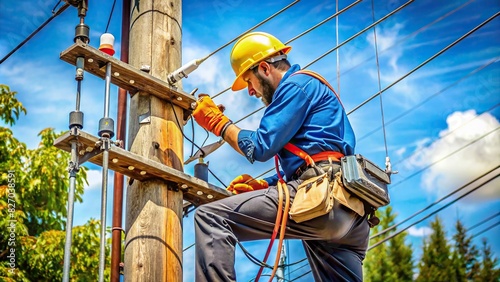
[(265, 67)]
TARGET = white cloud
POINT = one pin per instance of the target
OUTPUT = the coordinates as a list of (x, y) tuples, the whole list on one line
[(94, 177), (468, 158), (420, 232)]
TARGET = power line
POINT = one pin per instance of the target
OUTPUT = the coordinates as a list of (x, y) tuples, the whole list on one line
[(62, 9), (486, 229), (448, 155), (483, 221), (431, 214), (298, 36), (359, 33), (433, 204), (252, 28), (413, 34), (450, 132), (302, 275), (426, 61), (432, 96), (110, 15)]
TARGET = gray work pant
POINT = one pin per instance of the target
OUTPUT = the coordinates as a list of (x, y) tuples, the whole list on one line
[(335, 243)]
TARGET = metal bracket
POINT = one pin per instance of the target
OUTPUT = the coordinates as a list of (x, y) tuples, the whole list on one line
[(145, 118)]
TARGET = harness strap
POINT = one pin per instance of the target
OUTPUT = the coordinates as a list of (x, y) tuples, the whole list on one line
[(310, 160), (320, 78)]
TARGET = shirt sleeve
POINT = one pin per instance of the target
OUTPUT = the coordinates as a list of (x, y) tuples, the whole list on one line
[(281, 121)]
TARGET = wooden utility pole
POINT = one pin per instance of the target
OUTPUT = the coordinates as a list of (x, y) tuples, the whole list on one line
[(153, 245)]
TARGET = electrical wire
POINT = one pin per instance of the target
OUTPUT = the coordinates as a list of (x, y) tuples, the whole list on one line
[(425, 62), (379, 81), (486, 229), (218, 179), (300, 35), (359, 33), (448, 155), (431, 97), (431, 214), (412, 34), (180, 128), (250, 29), (53, 16), (302, 275), (110, 15), (483, 221), (433, 204)]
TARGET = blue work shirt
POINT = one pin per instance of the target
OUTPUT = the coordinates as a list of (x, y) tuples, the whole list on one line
[(304, 112)]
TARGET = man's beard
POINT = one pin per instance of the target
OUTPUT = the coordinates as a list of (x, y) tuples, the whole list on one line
[(267, 90)]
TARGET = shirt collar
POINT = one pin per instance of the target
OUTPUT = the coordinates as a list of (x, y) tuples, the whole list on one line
[(290, 71)]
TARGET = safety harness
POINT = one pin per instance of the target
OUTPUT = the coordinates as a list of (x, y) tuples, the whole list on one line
[(282, 213)]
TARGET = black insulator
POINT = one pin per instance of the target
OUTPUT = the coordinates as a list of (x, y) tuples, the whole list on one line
[(106, 127), (82, 32), (76, 119)]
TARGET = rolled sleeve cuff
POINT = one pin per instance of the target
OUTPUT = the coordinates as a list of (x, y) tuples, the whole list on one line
[(246, 145)]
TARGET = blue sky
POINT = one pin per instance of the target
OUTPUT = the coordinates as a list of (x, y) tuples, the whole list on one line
[(442, 120)]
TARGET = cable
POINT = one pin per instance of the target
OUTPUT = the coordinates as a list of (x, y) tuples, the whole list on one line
[(180, 127), (110, 15), (432, 96), (426, 61), (62, 9), (300, 35), (431, 214), (379, 83), (433, 204), (302, 275), (323, 21), (188, 247), (452, 153), (252, 28), (483, 221), (450, 132), (360, 32), (216, 177), (337, 43), (413, 34), (486, 229)]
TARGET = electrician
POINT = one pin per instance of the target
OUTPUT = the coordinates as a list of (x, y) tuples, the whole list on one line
[(299, 109)]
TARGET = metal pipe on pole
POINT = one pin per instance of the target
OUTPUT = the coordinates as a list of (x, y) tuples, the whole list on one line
[(121, 121)]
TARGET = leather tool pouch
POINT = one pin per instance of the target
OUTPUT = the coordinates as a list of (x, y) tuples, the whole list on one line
[(365, 180), (314, 198)]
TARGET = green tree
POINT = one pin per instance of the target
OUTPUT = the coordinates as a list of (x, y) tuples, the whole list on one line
[(436, 263), (33, 192), (391, 261), (489, 271), (464, 254)]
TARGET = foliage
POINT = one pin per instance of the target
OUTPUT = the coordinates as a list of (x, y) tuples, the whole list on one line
[(464, 254), (489, 271), (33, 192), (391, 262), (10, 107), (436, 263)]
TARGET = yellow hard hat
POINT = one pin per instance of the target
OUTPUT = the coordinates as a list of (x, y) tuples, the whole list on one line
[(251, 49)]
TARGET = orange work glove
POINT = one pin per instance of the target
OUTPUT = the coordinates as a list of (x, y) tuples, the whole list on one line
[(209, 116), (245, 183)]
